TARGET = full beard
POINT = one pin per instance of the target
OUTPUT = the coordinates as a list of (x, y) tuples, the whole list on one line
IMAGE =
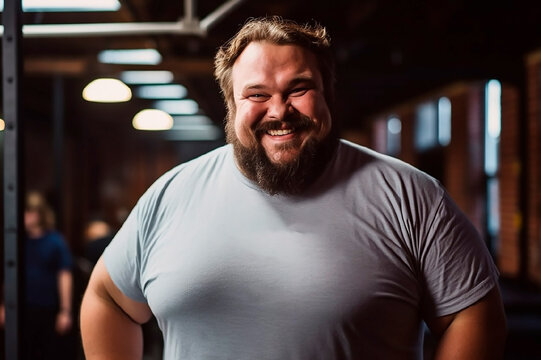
[(289, 178)]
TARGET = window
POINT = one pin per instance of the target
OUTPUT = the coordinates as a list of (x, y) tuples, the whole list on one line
[(426, 130), (394, 131), (493, 93), (492, 126), (493, 208), (433, 124), (444, 121)]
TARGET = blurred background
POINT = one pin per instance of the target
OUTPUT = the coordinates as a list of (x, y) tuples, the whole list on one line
[(452, 87)]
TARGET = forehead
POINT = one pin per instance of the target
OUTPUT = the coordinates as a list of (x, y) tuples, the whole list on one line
[(261, 61)]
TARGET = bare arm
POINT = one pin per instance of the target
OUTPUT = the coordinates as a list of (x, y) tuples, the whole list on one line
[(64, 316), (110, 321), (475, 333)]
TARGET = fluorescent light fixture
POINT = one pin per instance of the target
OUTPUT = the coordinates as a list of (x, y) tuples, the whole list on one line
[(195, 133), (147, 77), (2, 124), (67, 5), (152, 119), (130, 56), (107, 90), (168, 91), (177, 107)]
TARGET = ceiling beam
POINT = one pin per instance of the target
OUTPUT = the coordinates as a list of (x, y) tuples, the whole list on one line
[(74, 66), (188, 25), (45, 65)]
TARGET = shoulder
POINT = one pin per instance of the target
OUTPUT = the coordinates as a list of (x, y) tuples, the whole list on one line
[(183, 177), (174, 190), (206, 163), (56, 242), (378, 171)]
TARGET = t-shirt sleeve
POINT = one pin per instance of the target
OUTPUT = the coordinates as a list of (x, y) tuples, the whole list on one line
[(456, 265), (122, 258), (125, 256)]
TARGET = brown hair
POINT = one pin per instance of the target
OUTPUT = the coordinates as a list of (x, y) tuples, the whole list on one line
[(278, 31), (35, 201)]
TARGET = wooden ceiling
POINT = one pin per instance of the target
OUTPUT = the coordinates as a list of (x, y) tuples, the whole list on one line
[(387, 50)]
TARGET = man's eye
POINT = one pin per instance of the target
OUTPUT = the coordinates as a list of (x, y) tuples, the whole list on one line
[(299, 91), (258, 97)]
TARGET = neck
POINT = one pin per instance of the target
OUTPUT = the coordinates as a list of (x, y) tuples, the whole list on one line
[(35, 232)]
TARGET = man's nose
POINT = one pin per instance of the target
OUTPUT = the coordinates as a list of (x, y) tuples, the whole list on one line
[(278, 108)]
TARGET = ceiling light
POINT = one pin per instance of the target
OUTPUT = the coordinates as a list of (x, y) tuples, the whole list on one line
[(107, 90), (147, 77), (177, 107), (152, 119), (2, 124), (130, 56), (67, 5), (169, 91)]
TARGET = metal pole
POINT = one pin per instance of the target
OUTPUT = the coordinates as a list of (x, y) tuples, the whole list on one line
[(111, 29), (58, 148), (189, 12), (13, 188), (188, 25), (222, 11)]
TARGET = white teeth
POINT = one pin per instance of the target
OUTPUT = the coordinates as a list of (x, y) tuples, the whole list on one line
[(279, 132)]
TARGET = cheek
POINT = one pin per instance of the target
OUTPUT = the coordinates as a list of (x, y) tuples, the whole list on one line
[(245, 118), (316, 108)]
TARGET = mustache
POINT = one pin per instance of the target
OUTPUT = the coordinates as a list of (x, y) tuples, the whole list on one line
[(298, 123)]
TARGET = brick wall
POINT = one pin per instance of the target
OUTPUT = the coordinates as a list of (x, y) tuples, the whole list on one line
[(407, 152), (534, 192), (456, 153), (509, 176), (476, 186)]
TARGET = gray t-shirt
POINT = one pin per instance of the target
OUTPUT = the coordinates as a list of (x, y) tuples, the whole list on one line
[(346, 271)]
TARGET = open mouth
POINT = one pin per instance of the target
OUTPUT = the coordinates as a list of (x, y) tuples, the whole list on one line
[(280, 132), (290, 127)]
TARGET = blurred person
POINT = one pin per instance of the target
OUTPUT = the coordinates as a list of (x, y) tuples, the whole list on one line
[(47, 310), (97, 235), (290, 243)]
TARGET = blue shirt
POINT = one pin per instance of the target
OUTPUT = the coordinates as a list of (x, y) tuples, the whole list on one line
[(45, 257)]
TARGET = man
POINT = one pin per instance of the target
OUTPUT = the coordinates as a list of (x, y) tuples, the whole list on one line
[(291, 244)]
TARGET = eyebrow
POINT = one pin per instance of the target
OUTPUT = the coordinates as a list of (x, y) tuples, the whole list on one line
[(294, 82), (253, 87), (302, 79)]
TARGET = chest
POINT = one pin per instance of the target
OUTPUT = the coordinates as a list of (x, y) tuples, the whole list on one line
[(261, 258), (41, 253)]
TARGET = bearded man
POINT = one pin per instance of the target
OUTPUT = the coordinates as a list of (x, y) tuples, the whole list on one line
[(290, 243)]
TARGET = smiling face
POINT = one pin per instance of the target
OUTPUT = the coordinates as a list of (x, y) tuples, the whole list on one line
[(279, 99), (280, 122)]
